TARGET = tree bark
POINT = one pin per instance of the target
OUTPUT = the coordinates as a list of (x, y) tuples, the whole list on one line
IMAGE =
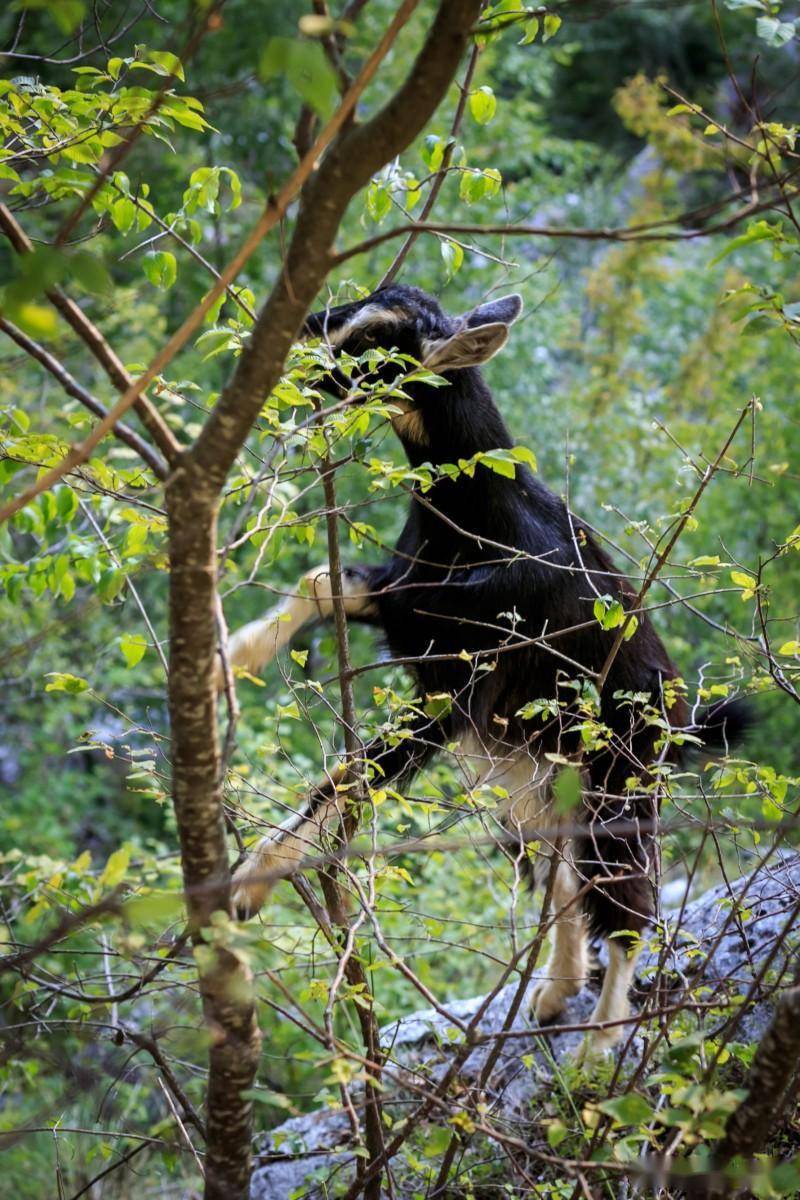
[(774, 1065), (226, 984)]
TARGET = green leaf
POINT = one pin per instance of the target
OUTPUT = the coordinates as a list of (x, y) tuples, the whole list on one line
[(475, 184), (632, 1109), (163, 62), (153, 908), (608, 612), (746, 582), (115, 868), (160, 268), (483, 105), (438, 705), (379, 201), (774, 32), (436, 1141), (67, 14), (758, 231), (531, 30), (524, 455), (66, 503), (552, 24), (790, 649), (90, 271), (36, 320), (215, 341), (453, 256), (304, 65), (567, 790), (133, 646), (432, 152), (556, 1132), (705, 560), (123, 214), (62, 681), (630, 628), (499, 461)]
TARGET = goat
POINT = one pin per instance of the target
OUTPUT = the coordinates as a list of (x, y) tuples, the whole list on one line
[(477, 547)]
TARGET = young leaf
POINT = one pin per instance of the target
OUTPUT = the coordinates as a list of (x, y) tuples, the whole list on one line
[(62, 681), (133, 646), (305, 67), (567, 790), (115, 868), (160, 268), (453, 256), (524, 455), (483, 105), (627, 1110), (552, 24)]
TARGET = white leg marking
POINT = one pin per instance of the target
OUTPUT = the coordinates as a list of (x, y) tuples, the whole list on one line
[(613, 1004), (568, 964), (527, 813), (256, 644)]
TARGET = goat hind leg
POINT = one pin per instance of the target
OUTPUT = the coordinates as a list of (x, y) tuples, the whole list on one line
[(613, 1004), (568, 964)]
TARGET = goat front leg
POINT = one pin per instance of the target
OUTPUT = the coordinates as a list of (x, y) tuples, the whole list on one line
[(257, 643), (280, 855), (283, 854)]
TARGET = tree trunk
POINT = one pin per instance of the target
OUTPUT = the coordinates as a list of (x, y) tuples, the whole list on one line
[(226, 983)]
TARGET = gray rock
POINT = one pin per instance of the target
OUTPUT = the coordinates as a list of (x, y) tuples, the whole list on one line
[(704, 943)]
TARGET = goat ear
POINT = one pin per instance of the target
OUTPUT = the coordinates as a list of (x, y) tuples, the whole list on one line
[(465, 348), (505, 310)]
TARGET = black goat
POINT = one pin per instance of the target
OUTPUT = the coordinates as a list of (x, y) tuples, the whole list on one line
[(490, 592)]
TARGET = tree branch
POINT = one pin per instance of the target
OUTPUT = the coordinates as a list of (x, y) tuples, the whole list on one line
[(274, 213), (441, 174), (73, 388), (93, 339), (349, 165)]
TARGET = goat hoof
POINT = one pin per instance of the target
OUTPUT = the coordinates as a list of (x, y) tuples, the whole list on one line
[(548, 1000), (353, 574), (247, 897), (595, 1051)]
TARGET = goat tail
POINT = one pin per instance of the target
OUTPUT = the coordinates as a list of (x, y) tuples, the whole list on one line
[(722, 726)]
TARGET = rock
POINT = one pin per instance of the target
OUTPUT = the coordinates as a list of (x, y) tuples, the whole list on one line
[(303, 1154)]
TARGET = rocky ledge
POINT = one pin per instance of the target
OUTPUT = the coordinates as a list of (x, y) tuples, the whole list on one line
[(736, 937)]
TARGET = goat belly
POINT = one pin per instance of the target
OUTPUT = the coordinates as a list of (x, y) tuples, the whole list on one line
[(526, 808)]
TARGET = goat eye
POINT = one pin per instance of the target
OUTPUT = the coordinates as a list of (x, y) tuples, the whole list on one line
[(370, 338)]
